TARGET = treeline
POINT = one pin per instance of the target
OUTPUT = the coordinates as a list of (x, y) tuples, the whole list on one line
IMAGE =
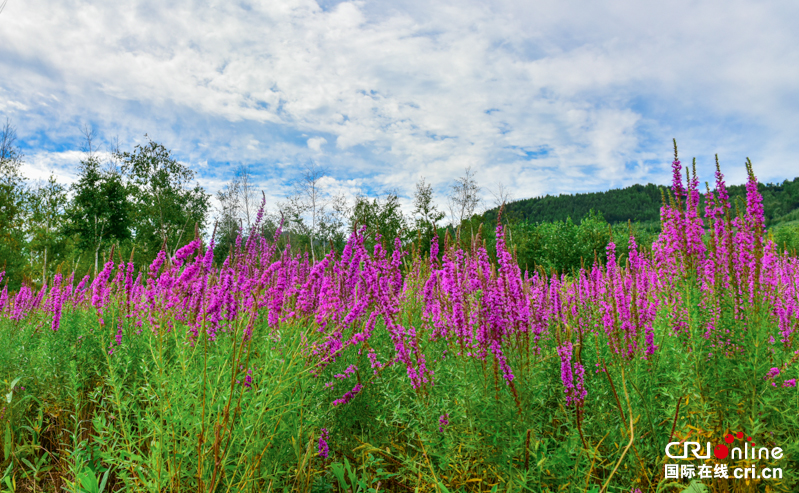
[(143, 200), (136, 203), (139, 201), (641, 203)]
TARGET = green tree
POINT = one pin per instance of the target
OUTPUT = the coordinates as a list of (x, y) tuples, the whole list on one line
[(786, 237), (165, 204), (48, 205), (99, 212), (380, 216), (13, 207), (426, 214)]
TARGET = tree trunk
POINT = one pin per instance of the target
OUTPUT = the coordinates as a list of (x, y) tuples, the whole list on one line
[(313, 229), (313, 254), (97, 248)]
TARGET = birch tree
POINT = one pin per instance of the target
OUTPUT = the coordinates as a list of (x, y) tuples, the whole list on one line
[(308, 201), (166, 205), (48, 205), (463, 198)]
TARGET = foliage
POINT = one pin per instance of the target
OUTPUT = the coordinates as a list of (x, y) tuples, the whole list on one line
[(381, 217), (786, 237), (13, 205), (563, 246), (640, 203), (165, 206), (48, 203), (99, 213), (426, 214)]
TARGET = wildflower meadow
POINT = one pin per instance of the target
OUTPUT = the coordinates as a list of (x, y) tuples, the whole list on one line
[(394, 368)]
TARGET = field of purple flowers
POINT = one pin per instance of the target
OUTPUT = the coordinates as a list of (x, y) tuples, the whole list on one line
[(401, 370)]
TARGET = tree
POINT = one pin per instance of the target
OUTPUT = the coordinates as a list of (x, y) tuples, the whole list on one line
[(463, 198), (308, 201), (165, 205), (99, 211), (380, 216), (228, 217), (246, 195), (238, 207), (501, 195), (48, 205), (426, 213), (13, 206), (332, 227)]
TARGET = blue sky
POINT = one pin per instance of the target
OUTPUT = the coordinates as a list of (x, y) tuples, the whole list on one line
[(544, 97)]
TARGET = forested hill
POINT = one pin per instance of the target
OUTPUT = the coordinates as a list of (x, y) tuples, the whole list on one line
[(641, 203)]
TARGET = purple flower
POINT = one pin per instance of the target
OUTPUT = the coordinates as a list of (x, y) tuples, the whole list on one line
[(56, 300), (157, 263), (789, 383), (349, 395), (772, 373), (566, 376), (324, 449), (100, 289), (4, 298), (443, 421), (185, 252)]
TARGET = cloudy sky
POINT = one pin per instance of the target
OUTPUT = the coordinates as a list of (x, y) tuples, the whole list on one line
[(542, 96)]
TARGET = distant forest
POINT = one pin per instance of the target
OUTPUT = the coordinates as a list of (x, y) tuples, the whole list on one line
[(641, 203)]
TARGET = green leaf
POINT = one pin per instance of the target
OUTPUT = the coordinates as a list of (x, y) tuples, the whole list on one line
[(14, 383), (695, 487), (88, 482), (104, 481), (338, 471), (7, 442), (351, 473)]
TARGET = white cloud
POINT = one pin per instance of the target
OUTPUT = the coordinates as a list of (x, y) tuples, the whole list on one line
[(62, 165), (315, 143), (553, 96)]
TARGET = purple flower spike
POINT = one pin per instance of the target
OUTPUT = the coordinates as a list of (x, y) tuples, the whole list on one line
[(349, 395), (324, 449), (443, 421), (772, 373)]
